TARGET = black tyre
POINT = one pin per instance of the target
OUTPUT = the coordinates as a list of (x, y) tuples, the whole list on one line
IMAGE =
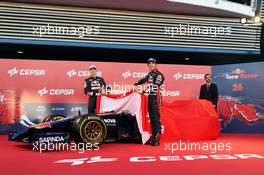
[(89, 129), (54, 117)]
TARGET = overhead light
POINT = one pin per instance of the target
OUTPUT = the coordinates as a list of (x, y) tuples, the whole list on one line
[(243, 20), (257, 19), (20, 52), (186, 59)]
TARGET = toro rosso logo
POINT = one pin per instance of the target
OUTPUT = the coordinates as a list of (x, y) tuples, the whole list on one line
[(80, 73), (26, 72), (237, 74), (46, 91)]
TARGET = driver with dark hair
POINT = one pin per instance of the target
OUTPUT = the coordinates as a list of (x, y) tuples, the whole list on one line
[(154, 79)]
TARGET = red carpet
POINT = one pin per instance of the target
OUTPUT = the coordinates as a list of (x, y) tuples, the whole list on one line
[(16, 158)]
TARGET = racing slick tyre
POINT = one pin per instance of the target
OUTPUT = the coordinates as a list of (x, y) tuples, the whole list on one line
[(54, 117), (89, 129)]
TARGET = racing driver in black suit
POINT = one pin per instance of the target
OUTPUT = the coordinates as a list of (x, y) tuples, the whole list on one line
[(93, 87), (154, 79)]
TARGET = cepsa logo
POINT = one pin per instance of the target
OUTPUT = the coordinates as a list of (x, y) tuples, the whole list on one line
[(80, 73), (26, 72), (238, 73), (128, 74), (150, 158), (170, 93), (189, 76), (46, 91)]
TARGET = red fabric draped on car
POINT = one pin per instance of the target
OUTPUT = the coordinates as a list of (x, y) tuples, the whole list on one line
[(186, 119), (189, 120)]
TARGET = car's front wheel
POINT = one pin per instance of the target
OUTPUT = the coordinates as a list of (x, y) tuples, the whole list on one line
[(89, 129)]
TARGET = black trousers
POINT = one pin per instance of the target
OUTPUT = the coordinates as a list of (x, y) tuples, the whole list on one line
[(154, 114), (216, 108), (92, 105)]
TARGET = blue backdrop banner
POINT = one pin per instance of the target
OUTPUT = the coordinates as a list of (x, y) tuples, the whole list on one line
[(241, 103)]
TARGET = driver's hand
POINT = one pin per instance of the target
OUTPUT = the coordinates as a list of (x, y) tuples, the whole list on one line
[(102, 93)]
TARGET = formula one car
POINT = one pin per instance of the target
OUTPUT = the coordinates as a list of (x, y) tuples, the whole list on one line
[(88, 128), (230, 108)]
